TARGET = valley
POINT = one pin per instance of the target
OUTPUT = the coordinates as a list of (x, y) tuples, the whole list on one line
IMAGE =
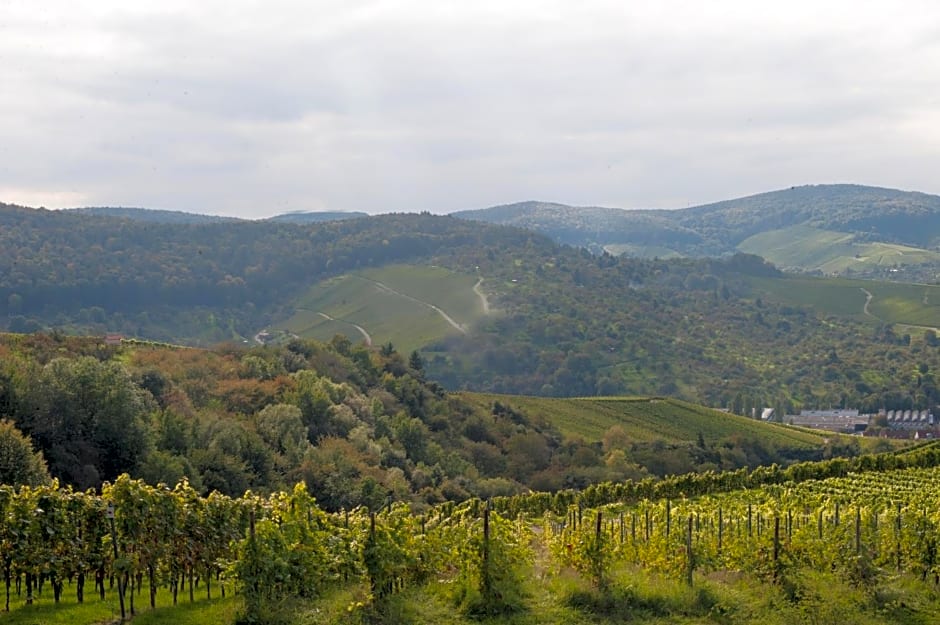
[(892, 303), (411, 306), (840, 230), (384, 388), (469, 313)]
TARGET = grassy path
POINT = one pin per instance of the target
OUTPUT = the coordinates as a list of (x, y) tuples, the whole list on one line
[(436, 309), (868, 298), (362, 331), (485, 302)]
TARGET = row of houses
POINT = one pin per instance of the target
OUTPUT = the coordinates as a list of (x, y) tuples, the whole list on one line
[(846, 421), (906, 423), (908, 418)]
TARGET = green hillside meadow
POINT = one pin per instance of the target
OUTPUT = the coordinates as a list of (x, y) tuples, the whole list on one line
[(404, 304), (891, 302), (641, 251), (645, 419), (831, 252)]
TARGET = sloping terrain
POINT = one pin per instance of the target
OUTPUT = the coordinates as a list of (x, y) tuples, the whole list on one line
[(647, 419), (829, 252), (880, 302), (302, 217), (836, 229), (408, 305), (569, 323), (150, 215)]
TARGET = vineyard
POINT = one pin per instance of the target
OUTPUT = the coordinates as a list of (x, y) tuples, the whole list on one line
[(867, 523)]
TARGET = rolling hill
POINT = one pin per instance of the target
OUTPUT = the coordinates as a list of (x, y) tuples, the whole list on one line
[(891, 303), (569, 323), (804, 248), (151, 215), (411, 306), (647, 419), (347, 419), (832, 229), (306, 217)]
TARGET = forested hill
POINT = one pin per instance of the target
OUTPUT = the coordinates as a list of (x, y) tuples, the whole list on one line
[(887, 214), (357, 425), (183, 217), (798, 226), (560, 321), (66, 266), (304, 217), (150, 215)]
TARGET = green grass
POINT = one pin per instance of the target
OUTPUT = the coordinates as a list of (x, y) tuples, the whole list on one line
[(638, 596), (214, 611), (94, 611), (910, 304), (646, 419), (392, 303), (831, 252), (892, 302), (562, 597), (641, 251)]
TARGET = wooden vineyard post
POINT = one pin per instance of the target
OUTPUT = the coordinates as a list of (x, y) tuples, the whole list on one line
[(720, 529), (114, 544), (858, 530), (598, 568), (7, 561), (897, 535), (668, 517), (690, 563), (486, 581), (776, 546)]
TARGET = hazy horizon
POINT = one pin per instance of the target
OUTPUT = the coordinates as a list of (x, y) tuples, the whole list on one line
[(251, 109)]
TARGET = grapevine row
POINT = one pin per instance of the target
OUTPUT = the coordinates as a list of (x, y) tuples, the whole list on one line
[(862, 519)]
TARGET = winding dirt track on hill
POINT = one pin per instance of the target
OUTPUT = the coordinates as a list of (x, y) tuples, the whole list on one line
[(365, 335), (482, 295), (443, 314), (868, 298)]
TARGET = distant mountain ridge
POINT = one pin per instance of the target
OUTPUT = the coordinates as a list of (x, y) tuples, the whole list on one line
[(308, 217), (151, 215), (833, 229), (731, 332), (865, 214)]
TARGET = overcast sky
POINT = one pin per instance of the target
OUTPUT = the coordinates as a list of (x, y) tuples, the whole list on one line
[(258, 108)]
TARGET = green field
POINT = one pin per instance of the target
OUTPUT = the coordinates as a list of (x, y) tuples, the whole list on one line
[(641, 251), (646, 419), (809, 249), (404, 304), (891, 302), (95, 611)]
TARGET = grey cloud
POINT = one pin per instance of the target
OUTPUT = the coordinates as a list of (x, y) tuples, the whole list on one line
[(241, 108)]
